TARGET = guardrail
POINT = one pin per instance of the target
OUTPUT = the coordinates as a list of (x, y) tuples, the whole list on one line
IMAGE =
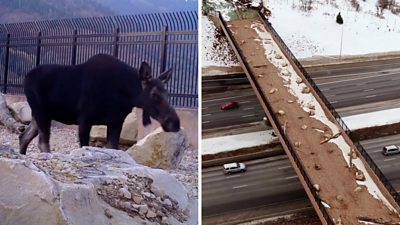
[(340, 121), (275, 121)]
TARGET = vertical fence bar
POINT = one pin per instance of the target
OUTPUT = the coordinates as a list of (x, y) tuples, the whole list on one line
[(74, 45), (163, 49), (6, 63), (38, 48), (116, 41)]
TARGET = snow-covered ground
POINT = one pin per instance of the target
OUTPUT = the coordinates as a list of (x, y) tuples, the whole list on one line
[(214, 51), (372, 119), (316, 32), (234, 142)]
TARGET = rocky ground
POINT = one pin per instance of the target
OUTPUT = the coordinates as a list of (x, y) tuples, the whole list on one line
[(65, 139)]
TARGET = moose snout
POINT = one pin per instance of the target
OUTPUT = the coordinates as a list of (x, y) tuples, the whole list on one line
[(171, 124)]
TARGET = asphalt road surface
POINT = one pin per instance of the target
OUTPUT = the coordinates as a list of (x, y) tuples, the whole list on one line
[(346, 87), (269, 182)]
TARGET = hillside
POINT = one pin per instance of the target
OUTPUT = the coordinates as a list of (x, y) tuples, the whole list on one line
[(28, 10), (147, 6), (309, 28)]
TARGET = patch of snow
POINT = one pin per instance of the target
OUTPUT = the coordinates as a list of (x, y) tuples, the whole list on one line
[(372, 119), (315, 32), (215, 52), (305, 100), (366, 222), (325, 205), (235, 142), (222, 6)]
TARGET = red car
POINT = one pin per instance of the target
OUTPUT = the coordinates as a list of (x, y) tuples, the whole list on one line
[(230, 105)]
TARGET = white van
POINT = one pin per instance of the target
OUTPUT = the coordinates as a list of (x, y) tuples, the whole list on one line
[(391, 150), (234, 168)]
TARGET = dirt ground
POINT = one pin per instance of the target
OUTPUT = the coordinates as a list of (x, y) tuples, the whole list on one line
[(324, 163)]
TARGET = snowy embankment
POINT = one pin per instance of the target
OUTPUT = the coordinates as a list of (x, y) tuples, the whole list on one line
[(373, 119), (235, 142), (215, 51), (315, 31)]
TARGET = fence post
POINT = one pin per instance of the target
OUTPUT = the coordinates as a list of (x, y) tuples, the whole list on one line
[(116, 40), (38, 46), (74, 43), (6, 63), (163, 47)]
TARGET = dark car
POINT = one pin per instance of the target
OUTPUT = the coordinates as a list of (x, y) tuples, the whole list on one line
[(230, 105)]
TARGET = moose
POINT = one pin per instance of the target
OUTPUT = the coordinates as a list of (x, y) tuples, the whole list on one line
[(101, 91)]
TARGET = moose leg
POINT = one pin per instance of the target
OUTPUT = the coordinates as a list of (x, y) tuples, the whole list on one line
[(44, 124), (84, 132), (27, 136), (113, 135)]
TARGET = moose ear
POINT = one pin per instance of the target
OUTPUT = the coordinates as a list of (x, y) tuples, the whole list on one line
[(145, 72), (165, 76)]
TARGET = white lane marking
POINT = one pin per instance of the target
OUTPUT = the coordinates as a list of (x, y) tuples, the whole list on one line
[(371, 89), (248, 108), (291, 177), (284, 167), (231, 176), (248, 115), (332, 102), (377, 150), (390, 159), (244, 102), (207, 115), (370, 96), (205, 121), (217, 99), (240, 186), (359, 78)]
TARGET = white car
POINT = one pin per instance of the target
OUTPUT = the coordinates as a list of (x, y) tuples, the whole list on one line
[(234, 168), (391, 150)]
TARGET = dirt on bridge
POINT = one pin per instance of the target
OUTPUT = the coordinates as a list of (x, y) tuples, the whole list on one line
[(352, 195)]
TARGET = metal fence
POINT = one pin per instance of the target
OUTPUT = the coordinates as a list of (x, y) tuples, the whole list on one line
[(165, 40), (351, 134)]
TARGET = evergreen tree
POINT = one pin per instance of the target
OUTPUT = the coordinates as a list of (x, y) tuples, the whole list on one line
[(339, 19)]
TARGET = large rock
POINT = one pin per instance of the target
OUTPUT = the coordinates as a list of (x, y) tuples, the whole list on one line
[(89, 186), (160, 149), (129, 131), (21, 111)]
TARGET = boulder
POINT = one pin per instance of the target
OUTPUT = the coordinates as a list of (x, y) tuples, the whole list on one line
[(88, 186), (160, 149), (21, 111), (129, 131)]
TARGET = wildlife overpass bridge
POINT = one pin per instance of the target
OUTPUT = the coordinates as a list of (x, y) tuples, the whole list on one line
[(341, 180)]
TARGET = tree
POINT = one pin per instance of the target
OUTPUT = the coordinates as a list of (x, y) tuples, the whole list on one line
[(339, 19)]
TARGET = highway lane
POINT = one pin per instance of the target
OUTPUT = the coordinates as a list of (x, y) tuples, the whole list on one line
[(271, 181), (344, 88)]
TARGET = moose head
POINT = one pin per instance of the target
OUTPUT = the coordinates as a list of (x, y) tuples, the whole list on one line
[(154, 99)]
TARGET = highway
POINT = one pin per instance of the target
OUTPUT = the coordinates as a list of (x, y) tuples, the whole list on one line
[(345, 88), (271, 184)]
